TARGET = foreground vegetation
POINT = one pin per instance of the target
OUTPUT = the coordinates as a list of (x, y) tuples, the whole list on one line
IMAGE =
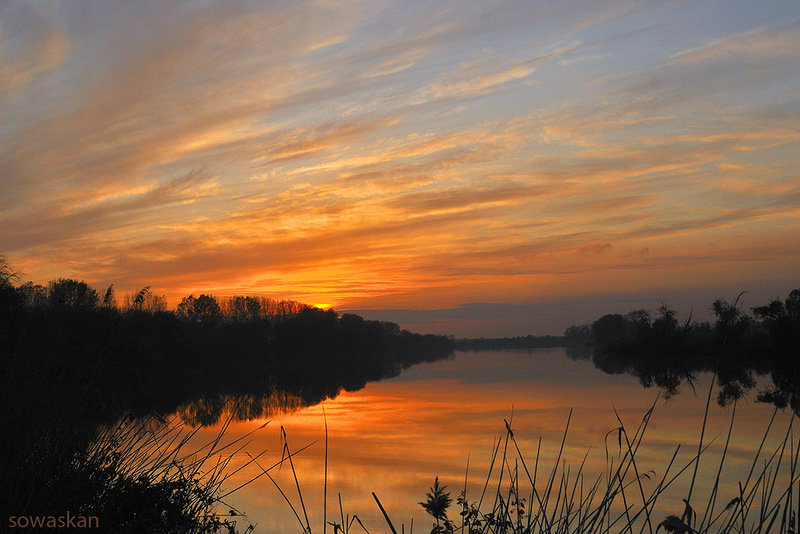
[(521, 496)]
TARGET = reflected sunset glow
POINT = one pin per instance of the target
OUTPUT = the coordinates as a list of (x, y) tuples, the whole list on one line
[(394, 436)]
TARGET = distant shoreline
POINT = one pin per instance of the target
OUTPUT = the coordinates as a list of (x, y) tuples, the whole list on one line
[(518, 342)]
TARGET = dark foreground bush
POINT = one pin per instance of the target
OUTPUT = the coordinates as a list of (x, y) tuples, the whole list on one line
[(139, 475)]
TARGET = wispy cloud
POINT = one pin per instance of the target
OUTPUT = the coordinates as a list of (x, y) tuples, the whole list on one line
[(32, 45), (372, 156), (761, 44)]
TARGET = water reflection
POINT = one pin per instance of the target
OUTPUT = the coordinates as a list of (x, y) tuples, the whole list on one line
[(737, 347), (69, 370), (736, 376), (207, 411), (394, 436), (276, 394)]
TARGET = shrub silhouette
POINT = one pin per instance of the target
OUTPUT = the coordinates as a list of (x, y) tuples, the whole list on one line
[(436, 505)]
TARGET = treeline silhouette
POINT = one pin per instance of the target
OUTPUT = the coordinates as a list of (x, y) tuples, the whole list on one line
[(72, 361), (142, 358), (738, 345)]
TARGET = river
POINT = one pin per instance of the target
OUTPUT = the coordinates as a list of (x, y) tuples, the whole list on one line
[(394, 436)]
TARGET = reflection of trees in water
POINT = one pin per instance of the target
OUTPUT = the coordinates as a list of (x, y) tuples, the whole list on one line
[(666, 354), (578, 352), (99, 362), (206, 411), (276, 394), (71, 362)]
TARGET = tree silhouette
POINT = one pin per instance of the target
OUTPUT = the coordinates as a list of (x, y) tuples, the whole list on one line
[(241, 308), (33, 295), (204, 309), (68, 293), (7, 275), (8, 295)]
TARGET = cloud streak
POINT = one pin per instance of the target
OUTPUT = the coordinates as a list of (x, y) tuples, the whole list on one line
[(369, 157)]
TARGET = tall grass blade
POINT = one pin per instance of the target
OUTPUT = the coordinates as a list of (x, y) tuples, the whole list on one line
[(385, 515)]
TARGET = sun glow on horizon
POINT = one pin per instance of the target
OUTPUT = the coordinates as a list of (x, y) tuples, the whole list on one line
[(387, 159)]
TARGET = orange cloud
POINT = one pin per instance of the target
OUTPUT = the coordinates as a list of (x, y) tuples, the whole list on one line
[(371, 158)]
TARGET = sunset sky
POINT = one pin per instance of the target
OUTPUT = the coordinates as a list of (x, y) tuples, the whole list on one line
[(486, 168)]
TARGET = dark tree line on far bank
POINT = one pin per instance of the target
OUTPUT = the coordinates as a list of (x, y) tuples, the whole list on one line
[(73, 360), (141, 357), (665, 352), (738, 345)]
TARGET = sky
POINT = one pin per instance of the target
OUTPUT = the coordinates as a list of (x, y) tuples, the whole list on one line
[(486, 168)]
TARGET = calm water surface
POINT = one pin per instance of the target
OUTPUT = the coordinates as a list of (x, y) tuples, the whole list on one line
[(393, 437)]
